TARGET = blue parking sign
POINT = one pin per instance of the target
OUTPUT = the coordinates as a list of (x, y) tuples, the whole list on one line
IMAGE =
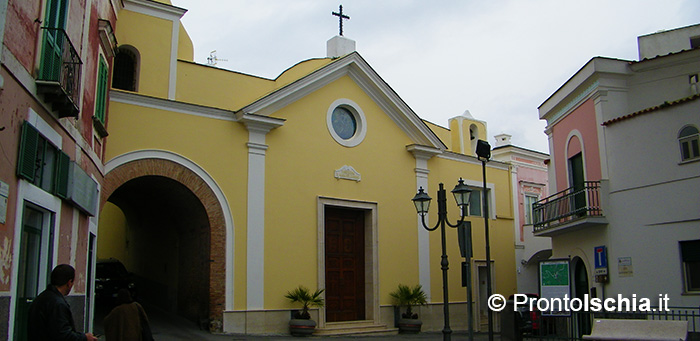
[(600, 255)]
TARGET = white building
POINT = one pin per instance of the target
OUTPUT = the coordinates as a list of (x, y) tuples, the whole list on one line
[(623, 137)]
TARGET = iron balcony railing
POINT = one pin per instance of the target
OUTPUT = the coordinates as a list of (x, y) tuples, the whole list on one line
[(61, 64), (570, 204)]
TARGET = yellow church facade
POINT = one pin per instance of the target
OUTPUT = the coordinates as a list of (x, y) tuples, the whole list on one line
[(223, 191)]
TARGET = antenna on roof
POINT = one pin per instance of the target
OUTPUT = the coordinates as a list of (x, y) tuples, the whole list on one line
[(212, 59)]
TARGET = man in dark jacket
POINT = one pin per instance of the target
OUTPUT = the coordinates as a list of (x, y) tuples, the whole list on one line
[(49, 315)]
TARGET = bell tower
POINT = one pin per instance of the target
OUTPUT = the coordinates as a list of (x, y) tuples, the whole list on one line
[(466, 131)]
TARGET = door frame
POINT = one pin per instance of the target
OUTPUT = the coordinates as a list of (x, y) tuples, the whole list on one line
[(371, 254), (30, 195), (476, 265)]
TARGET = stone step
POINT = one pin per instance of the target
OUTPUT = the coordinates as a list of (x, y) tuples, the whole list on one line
[(356, 328)]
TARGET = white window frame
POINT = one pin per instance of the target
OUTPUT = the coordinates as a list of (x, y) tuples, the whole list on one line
[(682, 140), (360, 119), (686, 276), (527, 209)]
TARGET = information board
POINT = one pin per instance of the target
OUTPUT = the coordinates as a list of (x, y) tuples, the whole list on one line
[(555, 283)]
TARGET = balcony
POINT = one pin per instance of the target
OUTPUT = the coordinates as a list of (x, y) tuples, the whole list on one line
[(569, 210), (59, 77)]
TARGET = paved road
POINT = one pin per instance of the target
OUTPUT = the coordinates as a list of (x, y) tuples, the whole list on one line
[(170, 327), (457, 336)]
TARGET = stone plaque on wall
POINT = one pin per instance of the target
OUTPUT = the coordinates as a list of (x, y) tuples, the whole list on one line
[(348, 173)]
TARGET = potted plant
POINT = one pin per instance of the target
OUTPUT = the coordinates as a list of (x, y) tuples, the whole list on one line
[(409, 297), (301, 323)]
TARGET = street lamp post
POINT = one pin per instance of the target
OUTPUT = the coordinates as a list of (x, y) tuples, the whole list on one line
[(422, 202), (483, 152)]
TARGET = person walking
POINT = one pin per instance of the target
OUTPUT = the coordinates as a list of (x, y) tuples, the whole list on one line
[(127, 321), (50, 317)]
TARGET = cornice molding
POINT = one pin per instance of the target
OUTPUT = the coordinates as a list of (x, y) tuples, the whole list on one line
[(170, 105), (259, 123), (423, 152), (473, 160)]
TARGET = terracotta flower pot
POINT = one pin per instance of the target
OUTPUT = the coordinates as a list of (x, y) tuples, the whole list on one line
[(302, 327), (410, 326)]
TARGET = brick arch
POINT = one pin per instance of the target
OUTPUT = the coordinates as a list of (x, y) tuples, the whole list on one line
[(217, 221)]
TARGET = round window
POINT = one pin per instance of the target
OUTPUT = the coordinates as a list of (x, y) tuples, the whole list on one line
[(346, 122)]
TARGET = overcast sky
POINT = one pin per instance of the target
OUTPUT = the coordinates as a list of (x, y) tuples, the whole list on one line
[(498, 59)]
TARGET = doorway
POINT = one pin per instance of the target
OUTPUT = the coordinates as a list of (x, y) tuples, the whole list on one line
[(583, 321), (577, 180), (344, 264), (482, 298), (35, 260)]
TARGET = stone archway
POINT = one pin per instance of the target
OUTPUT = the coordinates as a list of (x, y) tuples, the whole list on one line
[(159, 174)]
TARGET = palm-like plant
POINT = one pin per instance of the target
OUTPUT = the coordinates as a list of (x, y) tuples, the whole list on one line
[(407, 296), (304, 296)]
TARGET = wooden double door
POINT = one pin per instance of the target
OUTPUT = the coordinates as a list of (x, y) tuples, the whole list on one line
[(345, 264)]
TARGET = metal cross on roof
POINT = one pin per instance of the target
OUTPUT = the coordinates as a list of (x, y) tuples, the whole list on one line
[(341, 16)]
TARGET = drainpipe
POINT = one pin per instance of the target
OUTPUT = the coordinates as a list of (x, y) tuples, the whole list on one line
[(3, 15)]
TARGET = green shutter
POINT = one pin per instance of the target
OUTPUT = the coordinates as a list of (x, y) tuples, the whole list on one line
[(62, 175), (26, 163), (52, 45), (52, 17), (101, 98), (56, 12), (50, 57)]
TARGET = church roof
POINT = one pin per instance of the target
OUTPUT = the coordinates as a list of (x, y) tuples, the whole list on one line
[(303, 79)]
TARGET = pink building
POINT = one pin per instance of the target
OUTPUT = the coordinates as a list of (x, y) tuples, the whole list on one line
[(530, 184), (56, 57)]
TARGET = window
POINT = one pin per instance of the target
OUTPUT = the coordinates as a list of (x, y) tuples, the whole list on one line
[(694, 42), (41, 163), (346, 122), (125, 69), (529, 200), (688, 139), (475, 203), (690, 256)]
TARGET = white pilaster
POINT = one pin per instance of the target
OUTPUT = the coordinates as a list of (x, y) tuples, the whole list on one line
[(258, 127), (422, 155), (172, 81)]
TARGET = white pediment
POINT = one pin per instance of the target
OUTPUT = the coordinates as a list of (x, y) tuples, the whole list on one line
[(354, 66)]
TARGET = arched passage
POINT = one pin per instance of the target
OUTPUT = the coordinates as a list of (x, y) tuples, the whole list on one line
[(174, 234)]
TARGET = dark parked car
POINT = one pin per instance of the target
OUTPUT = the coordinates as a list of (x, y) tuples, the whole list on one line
[(529, 320), (110, 277)]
